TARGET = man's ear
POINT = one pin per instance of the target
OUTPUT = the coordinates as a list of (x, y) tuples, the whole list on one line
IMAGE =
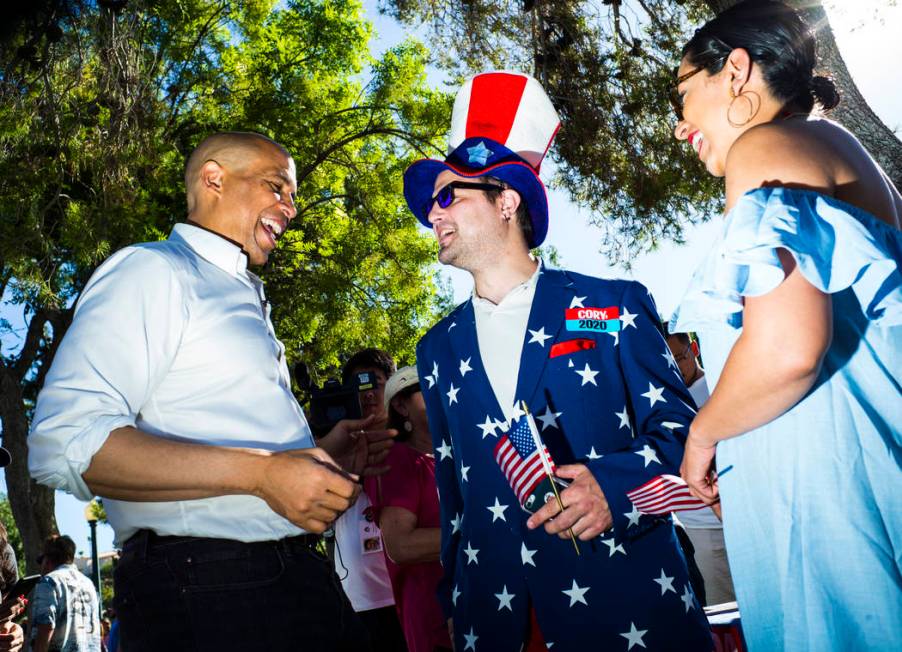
[(510, 202), (739, 67), (212, 175), (694, 346)]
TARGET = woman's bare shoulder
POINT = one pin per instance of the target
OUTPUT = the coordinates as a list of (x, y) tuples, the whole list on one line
[(779, 154)]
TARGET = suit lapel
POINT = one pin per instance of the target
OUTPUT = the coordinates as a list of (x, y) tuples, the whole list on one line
[(546, 318)]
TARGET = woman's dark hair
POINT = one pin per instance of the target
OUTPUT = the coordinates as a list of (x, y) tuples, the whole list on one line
[(395, 420), (778, 40)]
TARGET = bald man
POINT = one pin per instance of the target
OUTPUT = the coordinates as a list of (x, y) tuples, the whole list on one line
[(170, 397)]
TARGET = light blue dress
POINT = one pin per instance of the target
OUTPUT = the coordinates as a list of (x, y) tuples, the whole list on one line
[(812, 501)]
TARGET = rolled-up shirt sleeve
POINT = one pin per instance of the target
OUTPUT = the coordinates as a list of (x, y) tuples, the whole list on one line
[(123, 338)]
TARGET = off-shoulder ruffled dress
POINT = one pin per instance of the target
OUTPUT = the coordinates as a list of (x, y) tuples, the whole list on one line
[(812, 502)]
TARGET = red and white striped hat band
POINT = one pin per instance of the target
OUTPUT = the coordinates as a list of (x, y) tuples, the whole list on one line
[(508, 107)]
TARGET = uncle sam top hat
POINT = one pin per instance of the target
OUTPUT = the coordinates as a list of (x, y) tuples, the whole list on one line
[(502, 126)]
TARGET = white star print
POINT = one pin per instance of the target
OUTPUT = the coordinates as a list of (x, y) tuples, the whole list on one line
[(471, 641), (453, 324), (624, 418), (497, 511), (654, 395), (668, 356), (576, 594), (628, 319), (665, 582), (549, 418), (538, 337), (687, 598), (634, 636), (526, 555), (670, 425), (502, 425), (613, 546), (517, 412), (435, 371), (577, 302), (587, 375), (488, 428), (649, 454), (593, 455), (616, 336), (452, 394), (570, 364), (504, 599), (444, 451), (431, 381), (463, 473), (455, 523), (454, 595), (633, 516), (471, 553), (465, 366)]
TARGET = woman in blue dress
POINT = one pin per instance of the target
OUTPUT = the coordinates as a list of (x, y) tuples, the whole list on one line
[(799, 307)]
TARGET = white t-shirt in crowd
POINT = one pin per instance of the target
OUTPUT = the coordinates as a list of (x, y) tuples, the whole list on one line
[(359, 559)]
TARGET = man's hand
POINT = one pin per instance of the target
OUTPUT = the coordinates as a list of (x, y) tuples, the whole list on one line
[(306, 487), (357, 449), (698, 471), (585, 507), (11, 609), (12, 638)]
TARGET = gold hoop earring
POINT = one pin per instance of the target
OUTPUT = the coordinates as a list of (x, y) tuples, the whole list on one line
[(754, 101)]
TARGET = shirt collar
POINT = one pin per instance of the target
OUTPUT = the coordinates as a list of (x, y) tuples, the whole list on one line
[(524, 291), (212, 247)]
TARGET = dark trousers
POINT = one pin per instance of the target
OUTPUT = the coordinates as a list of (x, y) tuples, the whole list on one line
[(192, 594)]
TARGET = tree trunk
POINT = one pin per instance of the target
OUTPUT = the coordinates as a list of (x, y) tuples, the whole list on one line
[(853, 111), (32, 504)]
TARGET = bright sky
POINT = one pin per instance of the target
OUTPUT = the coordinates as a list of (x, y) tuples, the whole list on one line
[(871, 50)]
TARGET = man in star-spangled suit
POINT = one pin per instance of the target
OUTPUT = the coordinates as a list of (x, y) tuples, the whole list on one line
[(588, 359)]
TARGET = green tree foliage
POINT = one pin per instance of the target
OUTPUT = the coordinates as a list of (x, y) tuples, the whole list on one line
[(15, 539), (101, 102)]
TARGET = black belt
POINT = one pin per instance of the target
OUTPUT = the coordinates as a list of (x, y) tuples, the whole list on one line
[(150, 539)]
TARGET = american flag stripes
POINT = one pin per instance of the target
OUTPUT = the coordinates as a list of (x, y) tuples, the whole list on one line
[(664, 494), (519, 459)]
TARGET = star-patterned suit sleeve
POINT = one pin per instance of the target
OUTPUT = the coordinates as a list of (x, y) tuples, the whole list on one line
[(450, 501), (658, 405)]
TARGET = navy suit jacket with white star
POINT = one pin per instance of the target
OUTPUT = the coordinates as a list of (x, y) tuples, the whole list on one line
[(623, 410)]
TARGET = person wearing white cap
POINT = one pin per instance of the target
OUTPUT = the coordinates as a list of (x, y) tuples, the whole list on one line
[(588, 358), (406, 503)]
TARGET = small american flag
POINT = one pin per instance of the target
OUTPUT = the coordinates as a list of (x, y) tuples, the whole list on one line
[(519, 459), (662, 495)]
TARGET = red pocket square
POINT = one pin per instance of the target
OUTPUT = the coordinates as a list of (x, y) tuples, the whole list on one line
[(571, 346)]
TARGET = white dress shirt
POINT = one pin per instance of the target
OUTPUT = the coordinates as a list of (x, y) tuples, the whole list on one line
[(175, 339), (500, 330)]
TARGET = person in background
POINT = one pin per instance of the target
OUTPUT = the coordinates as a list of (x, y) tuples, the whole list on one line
[(64, 615), (12, 637), (359, 561), (703, 527), (799, 309), (405, 500)]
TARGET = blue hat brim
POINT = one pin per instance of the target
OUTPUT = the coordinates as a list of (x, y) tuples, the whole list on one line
[(419, 185)]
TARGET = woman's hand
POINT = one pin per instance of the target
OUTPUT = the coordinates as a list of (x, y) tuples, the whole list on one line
[(698, 471)]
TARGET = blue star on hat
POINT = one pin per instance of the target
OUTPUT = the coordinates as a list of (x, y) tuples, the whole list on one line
[(480, 154)]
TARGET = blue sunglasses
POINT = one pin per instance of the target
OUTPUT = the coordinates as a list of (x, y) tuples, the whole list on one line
[(445, 195)]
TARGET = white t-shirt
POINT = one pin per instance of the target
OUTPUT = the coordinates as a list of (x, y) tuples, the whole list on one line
[(500, 330), (700, 518), (359, 560)]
